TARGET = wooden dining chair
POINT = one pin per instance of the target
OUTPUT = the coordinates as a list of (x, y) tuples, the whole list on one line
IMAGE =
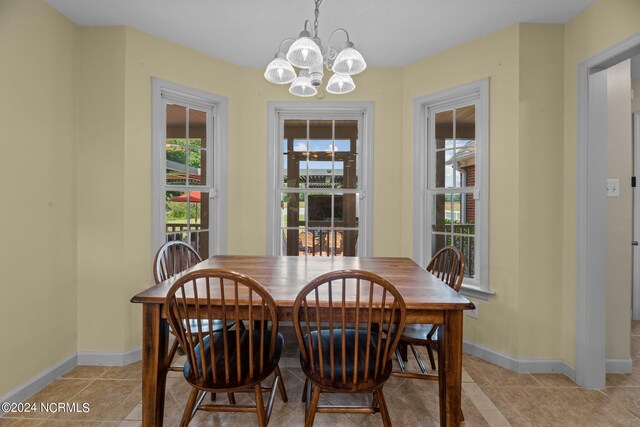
[(227, 360), (347, 324), (448, 266), (173, 258)]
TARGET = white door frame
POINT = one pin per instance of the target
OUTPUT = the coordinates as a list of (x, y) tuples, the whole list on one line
[(636, 218), (590, 228)]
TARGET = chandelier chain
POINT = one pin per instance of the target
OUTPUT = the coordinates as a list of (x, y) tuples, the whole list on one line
[(317, 14)]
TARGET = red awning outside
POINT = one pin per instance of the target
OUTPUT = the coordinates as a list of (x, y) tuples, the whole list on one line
[(194, 197)]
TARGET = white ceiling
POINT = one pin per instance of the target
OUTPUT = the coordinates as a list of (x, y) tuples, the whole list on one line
[(386, 32)]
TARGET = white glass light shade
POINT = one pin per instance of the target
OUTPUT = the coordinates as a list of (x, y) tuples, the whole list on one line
[(349, 62), (302, 86), (280, 71), (304, 53), (340, 83)]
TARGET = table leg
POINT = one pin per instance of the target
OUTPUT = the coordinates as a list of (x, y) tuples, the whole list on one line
[(155, 340), (450, 368)]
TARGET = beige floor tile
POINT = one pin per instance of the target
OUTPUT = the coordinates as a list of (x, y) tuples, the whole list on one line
[(629, 397), (19, 422), (622, 380), (135, 414), (103, 397), (86, 372), (129, 372), (554, 380), (62, 390), (492, 396), (497, 376)]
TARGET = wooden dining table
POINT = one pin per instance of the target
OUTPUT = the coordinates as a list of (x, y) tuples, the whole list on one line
[(428, 300)]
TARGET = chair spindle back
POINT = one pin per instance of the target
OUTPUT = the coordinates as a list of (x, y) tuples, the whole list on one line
[(173, 258), (448, 265), (232, 297), (364, 312)]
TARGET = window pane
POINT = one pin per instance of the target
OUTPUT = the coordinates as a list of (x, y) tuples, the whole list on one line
[(186, 212), (200, 242), (176, 118), (294, 163), (466, 163), (454, 215), (292, 211), (176, 169), (320, 210), (197, 167), (441, 210), (466, 123), (346, 143), (444, 129), (447, 173), (197, 128)]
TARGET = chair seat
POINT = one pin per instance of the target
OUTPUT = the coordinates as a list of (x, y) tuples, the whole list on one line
[(350, 338), (417, 333), (215, 325), (243, 378)]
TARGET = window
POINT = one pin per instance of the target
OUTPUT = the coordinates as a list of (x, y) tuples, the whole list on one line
[(188, 168), (318, 173), (451, 179)]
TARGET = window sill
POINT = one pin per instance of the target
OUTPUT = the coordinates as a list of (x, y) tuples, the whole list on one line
[(476, 292)]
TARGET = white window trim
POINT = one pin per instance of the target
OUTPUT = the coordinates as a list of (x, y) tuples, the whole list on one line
[(421, 213), (218, 242), (328, 110)]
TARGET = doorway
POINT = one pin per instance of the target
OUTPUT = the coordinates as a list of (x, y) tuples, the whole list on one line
[(591, 212)]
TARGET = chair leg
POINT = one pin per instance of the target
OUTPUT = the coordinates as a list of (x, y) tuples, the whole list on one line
[(402, 347), (189, 407), (418, 359), (283, 391), (304, 390), (384, 412), (313, 406), (172, 352), (213, 397), (232, 398), (262, 416), (400, 361), (431, 359)]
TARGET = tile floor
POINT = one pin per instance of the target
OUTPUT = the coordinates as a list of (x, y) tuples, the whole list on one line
[(491, 396)]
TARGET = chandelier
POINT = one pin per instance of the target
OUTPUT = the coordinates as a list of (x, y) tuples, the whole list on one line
[(306, 54)]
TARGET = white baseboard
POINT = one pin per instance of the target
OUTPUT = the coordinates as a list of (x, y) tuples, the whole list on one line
[(619, 366), (97, 358), (40, 381), (522, 366)]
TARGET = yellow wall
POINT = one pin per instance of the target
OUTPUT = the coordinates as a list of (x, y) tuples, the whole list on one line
[(494, 56), (39, 120), (602, 25), (101, 185), (541, 125)]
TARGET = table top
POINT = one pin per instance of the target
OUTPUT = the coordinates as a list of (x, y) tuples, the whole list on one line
[(284, 277)]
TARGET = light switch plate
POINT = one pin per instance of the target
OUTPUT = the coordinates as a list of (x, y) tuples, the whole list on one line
[(613, 187)]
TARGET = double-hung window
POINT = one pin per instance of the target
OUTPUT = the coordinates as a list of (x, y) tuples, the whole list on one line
[(319, 176), (188, 168), (451, 179)]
